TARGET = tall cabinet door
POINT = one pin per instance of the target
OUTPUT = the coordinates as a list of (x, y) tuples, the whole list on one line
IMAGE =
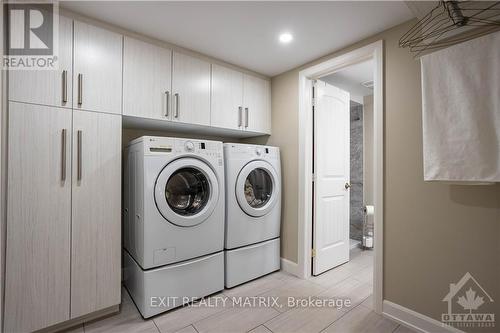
[(47, 87), (227, 98), (147, 79), (37, 281), (257, 101), (191, 87), (96, 212), (97, 78)]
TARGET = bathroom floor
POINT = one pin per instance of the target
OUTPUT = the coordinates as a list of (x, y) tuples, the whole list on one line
[(352, 280)]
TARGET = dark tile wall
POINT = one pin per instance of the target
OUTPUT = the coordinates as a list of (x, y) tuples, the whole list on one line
[(356, 204)]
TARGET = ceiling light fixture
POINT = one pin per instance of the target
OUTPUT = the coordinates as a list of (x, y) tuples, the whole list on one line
[(286, 38)]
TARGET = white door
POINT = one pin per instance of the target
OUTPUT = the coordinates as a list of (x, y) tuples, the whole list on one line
[(147, 78), (191, 88), (257, 104), (227, 98), (96, 212), (97, 78), (331, 185), (48, 87), (37, 281)]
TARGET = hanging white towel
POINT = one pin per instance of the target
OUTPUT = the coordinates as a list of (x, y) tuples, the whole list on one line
[(461, 111)]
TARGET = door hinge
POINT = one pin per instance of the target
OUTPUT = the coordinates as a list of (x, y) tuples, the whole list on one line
[(313, 177), (313, 253)]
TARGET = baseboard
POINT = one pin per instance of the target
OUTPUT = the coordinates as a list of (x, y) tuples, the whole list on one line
[(80, 320), (415, 320), (289, 267)]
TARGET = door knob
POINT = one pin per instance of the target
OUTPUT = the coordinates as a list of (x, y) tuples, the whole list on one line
[(347, 186)]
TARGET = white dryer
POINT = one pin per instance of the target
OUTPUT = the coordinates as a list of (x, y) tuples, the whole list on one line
[(253, 212), (173, 221)]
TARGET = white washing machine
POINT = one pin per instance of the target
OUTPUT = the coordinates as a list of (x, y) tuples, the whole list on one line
[(173, 221), (253, 212)]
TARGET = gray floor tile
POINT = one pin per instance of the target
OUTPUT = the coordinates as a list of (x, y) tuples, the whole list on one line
[(260, 329), (361, 320), (235, 320), (189, 329), (365, 275), (368, 302), (176, 319), (351, 289), (404, 329), (296, 288), (306, 319)]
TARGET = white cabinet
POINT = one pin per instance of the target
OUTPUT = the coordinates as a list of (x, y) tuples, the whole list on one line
[(37, 281), (97, 78), (227, 98), (191, 90), (147, 78), (96, 212), (64, 215), (257, 104), (47, 87), (240, 101)]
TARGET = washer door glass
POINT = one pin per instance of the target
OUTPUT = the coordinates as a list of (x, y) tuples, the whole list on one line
[(257, 188), (187, 191)]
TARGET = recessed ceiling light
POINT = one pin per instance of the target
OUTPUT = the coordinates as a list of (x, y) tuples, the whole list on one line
[(286, 38)]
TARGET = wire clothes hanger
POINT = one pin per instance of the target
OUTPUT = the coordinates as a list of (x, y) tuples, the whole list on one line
[(452, 22)]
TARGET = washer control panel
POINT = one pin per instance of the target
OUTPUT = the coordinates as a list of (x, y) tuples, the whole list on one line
[(164, 145)]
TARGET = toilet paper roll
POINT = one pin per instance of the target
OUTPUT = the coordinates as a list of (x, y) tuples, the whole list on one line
[(369, 210)]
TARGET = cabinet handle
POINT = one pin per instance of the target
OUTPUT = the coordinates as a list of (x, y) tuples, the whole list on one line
[(63, 155), (64, 86), (79, 155), (240, 116), (80, 89), (167, 103), (246, 117), (176, 115)]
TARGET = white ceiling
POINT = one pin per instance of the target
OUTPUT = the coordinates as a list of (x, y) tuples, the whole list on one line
[(246, 33), (350, 79)]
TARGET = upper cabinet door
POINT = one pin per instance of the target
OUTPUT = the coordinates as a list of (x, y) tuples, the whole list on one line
[(191, 88), (147, 78), (227, 98), (97, 79), (96, 212), (257, 104), (37, 276), (47, 87)]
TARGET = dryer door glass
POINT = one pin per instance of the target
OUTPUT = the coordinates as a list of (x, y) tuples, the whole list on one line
[(258, 188), (187, 191)]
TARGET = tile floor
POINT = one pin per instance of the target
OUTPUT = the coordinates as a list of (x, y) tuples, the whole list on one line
[(352, 280)]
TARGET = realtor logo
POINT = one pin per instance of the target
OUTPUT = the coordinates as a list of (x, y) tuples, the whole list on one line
[(32, 35), (467, 301)]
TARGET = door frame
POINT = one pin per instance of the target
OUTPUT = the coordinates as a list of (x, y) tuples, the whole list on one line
[(373, 51)]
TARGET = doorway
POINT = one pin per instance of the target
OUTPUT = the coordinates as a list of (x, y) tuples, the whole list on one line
[(334, 214), (342, 193)]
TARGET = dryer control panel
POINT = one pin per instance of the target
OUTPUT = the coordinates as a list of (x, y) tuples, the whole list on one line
[(251, 151)]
